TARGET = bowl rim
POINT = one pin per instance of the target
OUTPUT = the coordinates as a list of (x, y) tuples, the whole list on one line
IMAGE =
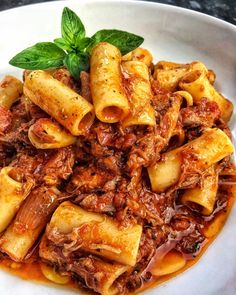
[(206, 19), (186, 11)]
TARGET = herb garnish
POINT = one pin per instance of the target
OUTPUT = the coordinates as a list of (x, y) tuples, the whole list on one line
[(73, 49)]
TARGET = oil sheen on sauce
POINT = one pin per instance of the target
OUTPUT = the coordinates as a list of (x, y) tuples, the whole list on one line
[(32, 271)]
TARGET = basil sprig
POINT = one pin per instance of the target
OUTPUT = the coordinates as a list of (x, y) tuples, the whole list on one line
[(73, 49), (41, 56)]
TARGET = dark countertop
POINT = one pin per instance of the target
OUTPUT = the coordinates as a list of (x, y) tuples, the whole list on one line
[(223, 9)]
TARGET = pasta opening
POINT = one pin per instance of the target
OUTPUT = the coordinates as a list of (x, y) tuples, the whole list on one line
[(44, 138), (112, 113), (197, 207), (191, 77), (175, 141), (172, 262), (211, 76), (52, 275), (111, 286), (15, 175), (86, 122)]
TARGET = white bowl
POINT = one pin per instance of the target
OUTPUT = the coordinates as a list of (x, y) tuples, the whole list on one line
[(170, 33)]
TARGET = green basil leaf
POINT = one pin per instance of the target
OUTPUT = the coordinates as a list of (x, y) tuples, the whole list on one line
[(71, 26), (76, 63), (125, 41), (63, 44), (41, 56), (83, 44)]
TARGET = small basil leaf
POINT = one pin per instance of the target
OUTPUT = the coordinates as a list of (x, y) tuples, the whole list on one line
[(125, 41), (71, 26), (41, 56), (83, 44), (63, 44), (76, 63)]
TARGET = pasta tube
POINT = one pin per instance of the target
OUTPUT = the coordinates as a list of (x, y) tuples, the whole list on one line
[(186, 96), (169, 74), (105, 273), (168, 65), (46, 134), (10, 89), (169, 79), (177, 137), (208, 149), (205, 195), (29, 222), (65, 105), (53, 276), (170, 263), (12, 194), (198, 85), (110, 102), (139, 54), (99, 234), (215, 226), (139, 89)]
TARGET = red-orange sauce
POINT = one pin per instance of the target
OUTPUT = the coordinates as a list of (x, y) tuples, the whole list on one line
[(190, 263), (32, 271)]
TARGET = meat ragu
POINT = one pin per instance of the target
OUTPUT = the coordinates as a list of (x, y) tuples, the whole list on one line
[(126, 200)]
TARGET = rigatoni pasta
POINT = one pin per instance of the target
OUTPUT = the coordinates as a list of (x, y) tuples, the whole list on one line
[(106, 273), (198, 85), (12, 194), (10, 89), (169, 78), (65, 105), (116, 180), (172, 262), (109, 99), (29, 222), (120, 245), (169, 74), (208, 149), (46, 134), (205, 193), (140, 94), (139, 54)]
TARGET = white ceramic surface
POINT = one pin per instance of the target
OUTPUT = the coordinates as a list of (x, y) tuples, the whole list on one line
[(170, 33)]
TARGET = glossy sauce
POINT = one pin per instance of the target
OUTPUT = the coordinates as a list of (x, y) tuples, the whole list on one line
[(32, 271), (222, 217)]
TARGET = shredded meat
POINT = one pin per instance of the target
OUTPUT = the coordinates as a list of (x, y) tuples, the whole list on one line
[(205, 113), (90, 179), (106, 172), (5, 119), (64, 76), (99, 203), (59, 166)]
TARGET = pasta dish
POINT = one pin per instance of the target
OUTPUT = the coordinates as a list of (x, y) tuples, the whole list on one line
[(117, 180)]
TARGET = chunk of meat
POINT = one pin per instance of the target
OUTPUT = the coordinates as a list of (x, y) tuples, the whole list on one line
[(18, 138), (5, 119), (59, 166), (99, 204), (145, 151), (30, 164), (90, 179), (111, 164), (114, 137), (64, 76), (205, 113)]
